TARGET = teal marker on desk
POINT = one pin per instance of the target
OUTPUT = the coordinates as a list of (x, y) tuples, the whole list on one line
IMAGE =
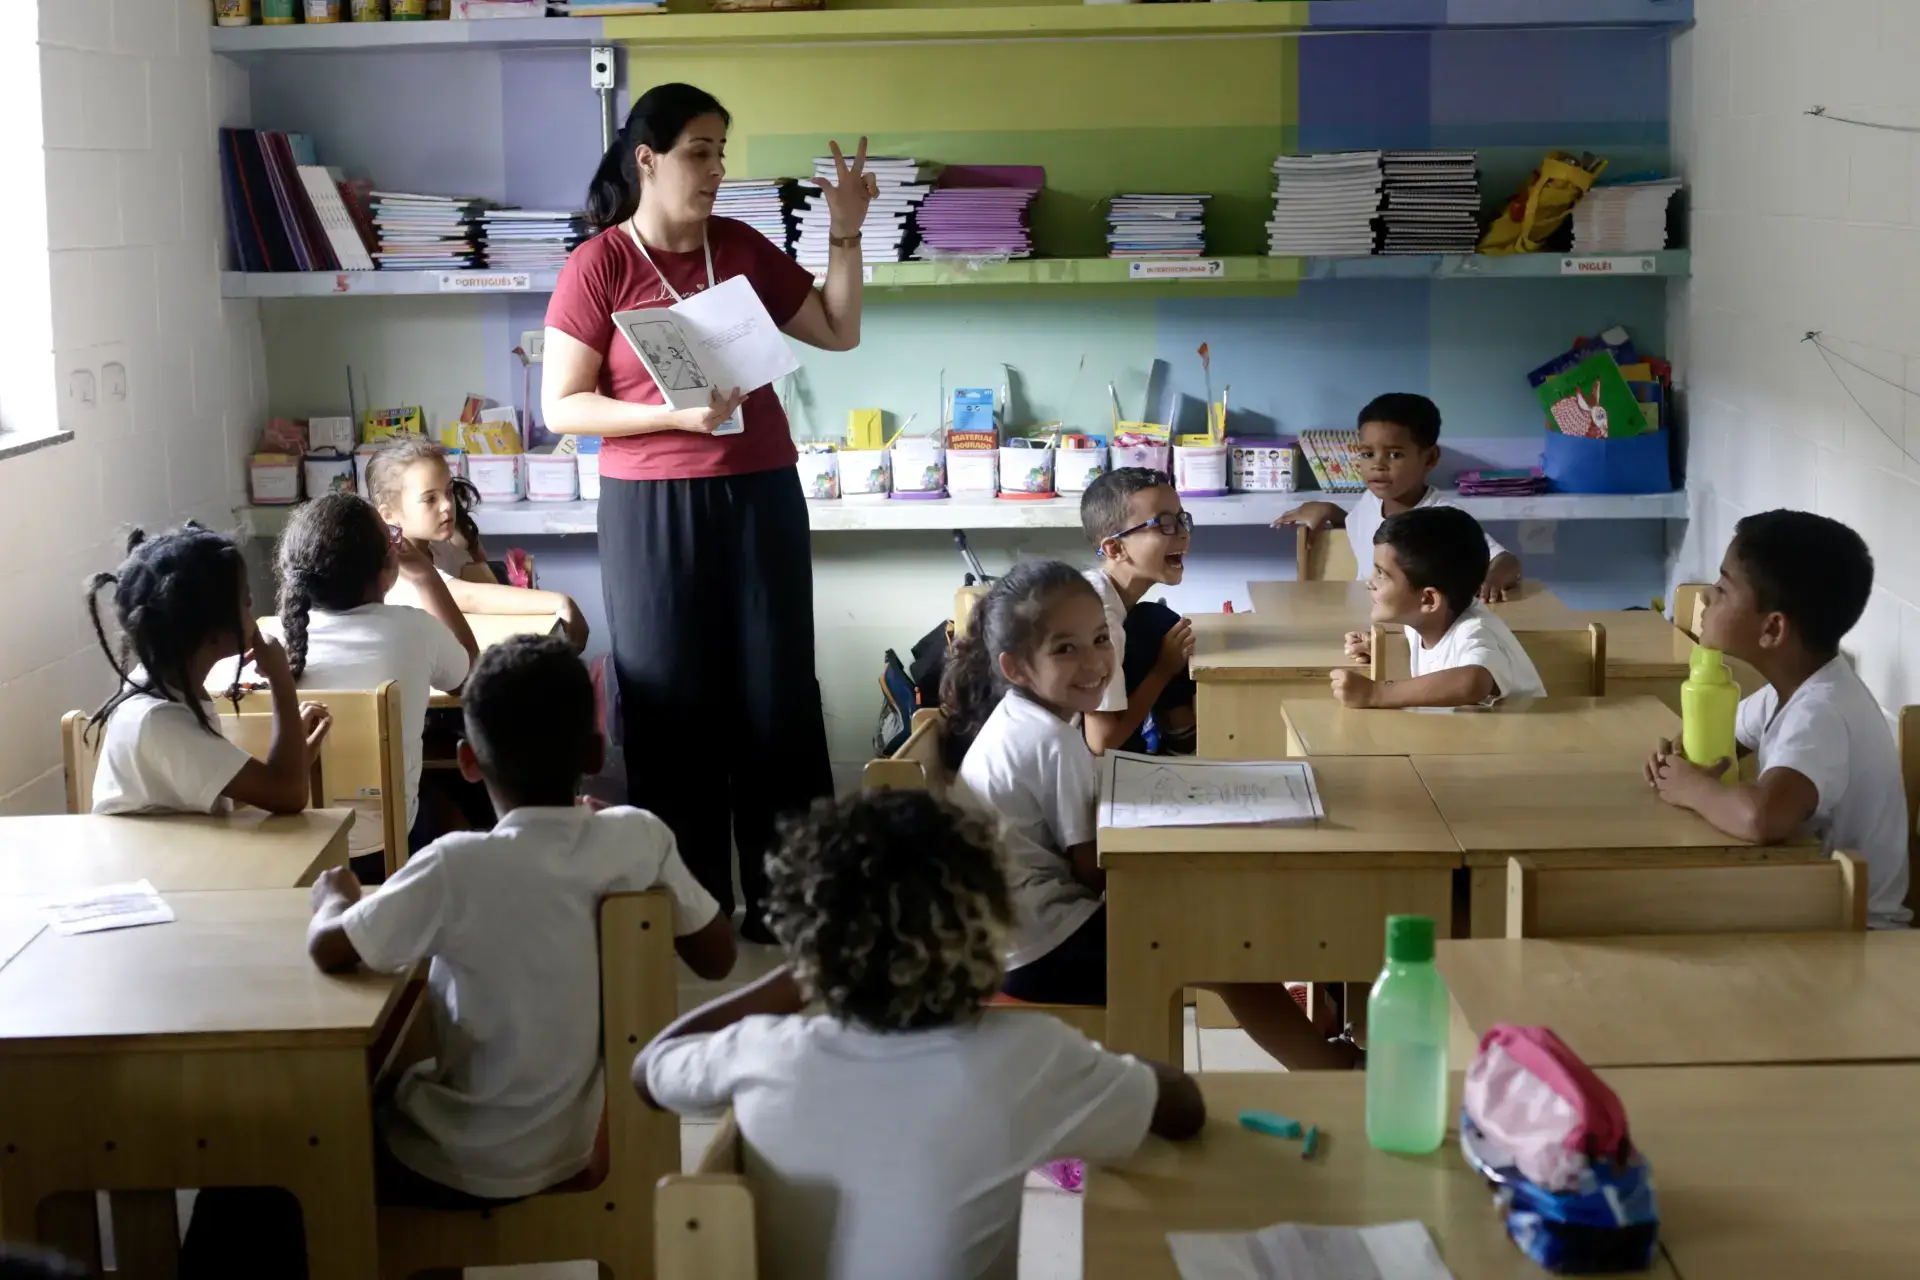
[(1271, 1123)]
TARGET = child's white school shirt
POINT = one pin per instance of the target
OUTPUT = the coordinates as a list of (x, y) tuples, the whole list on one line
[(1115, 698), (1369, 513), (1033, 772), (156, 758), (1478, 638), (1833, 733), (448, 557), (510, 919), (363, 648), (883, 1156)]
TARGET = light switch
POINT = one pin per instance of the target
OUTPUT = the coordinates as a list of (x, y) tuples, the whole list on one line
[(82, 389), (113, 378)]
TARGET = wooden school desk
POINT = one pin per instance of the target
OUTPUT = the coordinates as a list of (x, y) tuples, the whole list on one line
[(249, 849), (1319, 726), (1646, 654), (1704, 1000), (1346, 606), (1243, 664), (203, 1053), (489, 629), (1570, 810), (1301, 902), (1231, 1179)]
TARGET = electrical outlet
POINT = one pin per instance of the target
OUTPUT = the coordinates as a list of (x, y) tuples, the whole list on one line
[(113, 377), (82, 388), (600, 68), (534, 343), (1536, 537)]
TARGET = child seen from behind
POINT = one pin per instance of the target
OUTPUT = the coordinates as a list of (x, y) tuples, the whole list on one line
[(183, 606), (1141, 533), (1426, 565), (1036, 659), (416, 491), (888, 1136), (1792, 584), (1399, 448)]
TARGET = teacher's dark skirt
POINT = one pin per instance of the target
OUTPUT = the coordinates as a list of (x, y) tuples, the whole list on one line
[(709, 587)]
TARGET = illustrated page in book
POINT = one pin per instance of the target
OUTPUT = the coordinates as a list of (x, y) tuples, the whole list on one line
[(1169, 791), (722, 337)]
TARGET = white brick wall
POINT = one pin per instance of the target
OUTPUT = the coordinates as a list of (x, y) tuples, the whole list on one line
[(1803, 224), (129, 101)]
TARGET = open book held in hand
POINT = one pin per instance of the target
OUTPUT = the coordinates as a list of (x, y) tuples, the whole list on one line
[(722, 338), (1179, 791)]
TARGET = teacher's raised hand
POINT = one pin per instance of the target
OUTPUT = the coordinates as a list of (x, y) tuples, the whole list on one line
[(850, 192)]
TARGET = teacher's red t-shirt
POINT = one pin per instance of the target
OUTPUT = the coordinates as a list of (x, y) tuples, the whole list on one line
[(607, 274)]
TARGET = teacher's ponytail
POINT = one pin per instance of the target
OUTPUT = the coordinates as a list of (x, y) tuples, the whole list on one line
[(657, 120)]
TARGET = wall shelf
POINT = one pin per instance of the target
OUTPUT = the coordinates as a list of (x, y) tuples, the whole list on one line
[(971, 22), (549, 519), (1238, 275)]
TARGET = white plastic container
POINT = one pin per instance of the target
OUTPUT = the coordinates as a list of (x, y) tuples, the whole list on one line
[(274, 479), (863, 473), (918, 467), (1075, 469), (1151, 456), (1200, 471), (328, 475), (973, 473), (362, 459), (552, 477), (819, 475), (1026, 472), (1265, 467), (498, 476), (588, 465)]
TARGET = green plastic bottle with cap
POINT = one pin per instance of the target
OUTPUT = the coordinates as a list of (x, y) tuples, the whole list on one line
[(1709, 704), (1407, 1043)]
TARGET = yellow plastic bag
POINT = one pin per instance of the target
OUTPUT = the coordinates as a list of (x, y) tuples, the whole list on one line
[(1541, 207)]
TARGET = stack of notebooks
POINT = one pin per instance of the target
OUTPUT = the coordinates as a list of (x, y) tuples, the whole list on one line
[(285, 212), (426, 233), (1432, 202), (980, 211), (1324, 204), (1157, 226), (529, 239), (1628, 217), (1515, 483), (889, 233), (765, 204)]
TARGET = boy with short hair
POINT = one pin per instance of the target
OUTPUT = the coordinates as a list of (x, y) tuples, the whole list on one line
[(1791, 585), (1141, 534), (1399, 448), (512, 1103), (1426, 565)]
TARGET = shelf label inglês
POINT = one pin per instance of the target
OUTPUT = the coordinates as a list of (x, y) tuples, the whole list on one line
[(1178, 269), (486, 282), (1637, 265)]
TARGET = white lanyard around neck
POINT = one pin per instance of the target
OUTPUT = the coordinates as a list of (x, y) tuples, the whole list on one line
[(665, 283)]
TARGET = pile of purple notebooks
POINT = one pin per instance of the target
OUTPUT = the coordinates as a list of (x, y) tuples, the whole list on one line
[(1501, 484), (980, 211)]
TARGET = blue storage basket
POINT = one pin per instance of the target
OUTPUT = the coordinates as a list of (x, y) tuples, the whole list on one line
[(1636, 464)]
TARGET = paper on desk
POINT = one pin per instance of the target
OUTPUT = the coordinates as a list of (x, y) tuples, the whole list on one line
[(1289, 1251), (722, 337), (110, 906), (1166, 791)]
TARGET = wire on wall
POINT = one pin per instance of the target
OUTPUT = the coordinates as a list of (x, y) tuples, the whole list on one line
[(1824, 114), (1829, 355)]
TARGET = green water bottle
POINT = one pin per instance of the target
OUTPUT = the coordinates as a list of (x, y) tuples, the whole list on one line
[(1709, 704), (1407, 1043)]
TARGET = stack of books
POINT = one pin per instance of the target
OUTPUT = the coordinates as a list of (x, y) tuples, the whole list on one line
[(980, 211), (426, 233), (529, 239), (285, 211), (1512, 483), (1157, 226), (1334, 459), (1325, 204), (1432, 202), (1627, 217), (765, 204), (889, 233)]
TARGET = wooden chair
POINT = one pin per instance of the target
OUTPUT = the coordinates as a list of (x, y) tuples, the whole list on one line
[(965, 600), (1572, 662), (1324, 555), (82, 757), (1623, 901), (363, 757), (703, 1226), (1910, 775), (607, 1219), (1689, 603)]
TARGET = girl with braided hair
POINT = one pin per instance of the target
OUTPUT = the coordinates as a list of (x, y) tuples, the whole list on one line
[(336, 563), (181, 604)]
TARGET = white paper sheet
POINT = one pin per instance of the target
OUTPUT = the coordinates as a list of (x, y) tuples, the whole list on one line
[(722, 337), (109, 906), (1289, 1251), (1167, 791)]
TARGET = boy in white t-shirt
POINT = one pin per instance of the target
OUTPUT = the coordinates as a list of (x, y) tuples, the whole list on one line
[(1427, 564), (889, 1135), (1141, 533), (1399, 448), (1792, 584)]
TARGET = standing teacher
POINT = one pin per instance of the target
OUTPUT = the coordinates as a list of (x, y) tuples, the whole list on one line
[(704, 547)]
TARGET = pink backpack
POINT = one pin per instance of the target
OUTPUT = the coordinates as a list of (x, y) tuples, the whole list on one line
[(1533, 1098)]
